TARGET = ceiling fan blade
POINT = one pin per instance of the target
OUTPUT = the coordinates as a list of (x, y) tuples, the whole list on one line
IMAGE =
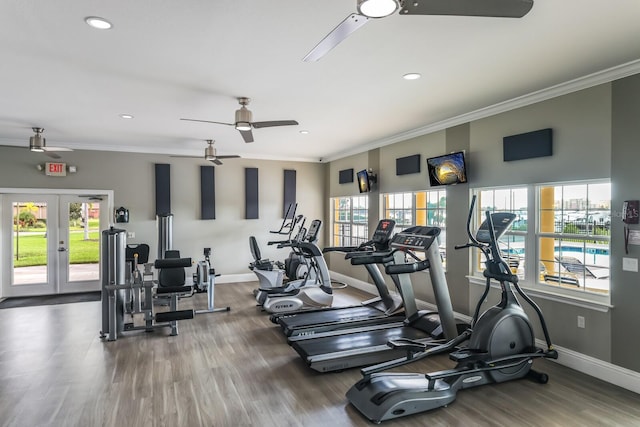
[(216, 161), (247, 135), (188, 157), (56, 149), (52, 154), (335, 37), (273, 123), (488, 8), (208, 121), (230, 156)]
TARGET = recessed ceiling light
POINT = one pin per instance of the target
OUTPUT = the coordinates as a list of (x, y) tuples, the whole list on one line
[(98, 23), (304, 132), (126, 116), (412, 76)]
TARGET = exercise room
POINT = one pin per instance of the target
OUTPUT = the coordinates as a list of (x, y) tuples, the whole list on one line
[(244, 214)]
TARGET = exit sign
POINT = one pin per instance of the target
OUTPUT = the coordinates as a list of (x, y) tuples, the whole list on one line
[(55, 169)]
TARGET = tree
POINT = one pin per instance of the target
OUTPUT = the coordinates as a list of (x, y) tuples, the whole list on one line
[(75, 212)]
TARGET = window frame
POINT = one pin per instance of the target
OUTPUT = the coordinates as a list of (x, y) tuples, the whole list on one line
[(442, 209), (531, 278), (356, 204)]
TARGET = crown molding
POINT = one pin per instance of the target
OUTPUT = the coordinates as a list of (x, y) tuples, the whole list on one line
[(585, 82)]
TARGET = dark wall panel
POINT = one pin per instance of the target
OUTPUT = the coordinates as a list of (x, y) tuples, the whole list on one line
[(289, 191), (251, 193), (528, 145), (345, 176), (163, 188), (408, 165), (207, 192)]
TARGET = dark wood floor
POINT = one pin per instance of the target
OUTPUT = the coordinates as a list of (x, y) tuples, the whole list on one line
[(235, 369)]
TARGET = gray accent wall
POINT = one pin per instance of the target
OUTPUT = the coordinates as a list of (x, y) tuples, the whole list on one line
[(595, 136), (458, 139), (131, 177), (625, 177)]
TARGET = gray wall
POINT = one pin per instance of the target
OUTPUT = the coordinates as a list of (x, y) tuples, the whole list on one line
[(131, 177), (625, 292), (595, 134)]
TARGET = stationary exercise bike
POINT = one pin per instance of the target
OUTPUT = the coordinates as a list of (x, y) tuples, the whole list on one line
[(270, 273), (501, 344), (204, 280)]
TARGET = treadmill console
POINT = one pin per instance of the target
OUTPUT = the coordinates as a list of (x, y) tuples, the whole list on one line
[(383, 231), (314, 229), (417, 238)]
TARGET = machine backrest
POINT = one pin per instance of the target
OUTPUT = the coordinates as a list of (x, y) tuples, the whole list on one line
[(169, 277), (142, 250), (255, 250)]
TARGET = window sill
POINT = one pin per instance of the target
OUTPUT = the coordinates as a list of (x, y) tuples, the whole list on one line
[(602, 307)]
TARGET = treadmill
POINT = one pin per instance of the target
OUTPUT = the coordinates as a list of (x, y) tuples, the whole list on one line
[(380, 310), (367, 347)]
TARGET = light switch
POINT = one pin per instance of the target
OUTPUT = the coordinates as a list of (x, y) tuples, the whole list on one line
[(630, 264)]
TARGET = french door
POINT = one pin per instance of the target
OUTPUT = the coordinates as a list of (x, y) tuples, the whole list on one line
[(51, 243)]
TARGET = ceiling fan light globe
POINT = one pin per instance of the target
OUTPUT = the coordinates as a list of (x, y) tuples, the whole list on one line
[(243, 126), (377, 8)]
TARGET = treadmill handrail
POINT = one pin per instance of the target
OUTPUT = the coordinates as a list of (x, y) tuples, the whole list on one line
[(372, 258), (407, 268)]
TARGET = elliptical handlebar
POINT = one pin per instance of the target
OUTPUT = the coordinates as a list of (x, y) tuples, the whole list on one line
[(287, 228)]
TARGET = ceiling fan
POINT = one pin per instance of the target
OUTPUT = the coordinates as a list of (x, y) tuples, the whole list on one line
[(382, 8), (243, 121), (210, 154), (38, 144)]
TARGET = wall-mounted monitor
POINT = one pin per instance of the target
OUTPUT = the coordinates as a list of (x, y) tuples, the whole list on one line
[(364, 184), (447, 170)]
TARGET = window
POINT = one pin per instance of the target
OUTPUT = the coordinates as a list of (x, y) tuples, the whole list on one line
[(573, 236), (418, 208), (561, 236), (513, 243), (350, 220)]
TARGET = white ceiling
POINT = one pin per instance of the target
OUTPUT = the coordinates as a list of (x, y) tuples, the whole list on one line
[(167, 59)]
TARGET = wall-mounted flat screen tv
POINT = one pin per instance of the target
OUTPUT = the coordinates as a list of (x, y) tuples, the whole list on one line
[(363, 181), (447, 170)]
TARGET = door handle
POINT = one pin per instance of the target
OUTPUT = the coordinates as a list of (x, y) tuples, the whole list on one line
[(62, 249)]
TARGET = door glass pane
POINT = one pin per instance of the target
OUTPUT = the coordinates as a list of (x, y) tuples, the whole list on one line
[(29, 242), (84, 241)]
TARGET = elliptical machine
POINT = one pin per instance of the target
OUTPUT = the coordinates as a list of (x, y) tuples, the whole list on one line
[(313, 291), (270, 273), (501, 344)]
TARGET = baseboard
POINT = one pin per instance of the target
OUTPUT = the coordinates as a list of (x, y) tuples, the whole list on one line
[(236, 278), (605, 371), (591, 366)]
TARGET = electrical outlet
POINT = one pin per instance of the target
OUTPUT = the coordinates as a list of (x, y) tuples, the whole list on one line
[(581, 322), (131, 234)]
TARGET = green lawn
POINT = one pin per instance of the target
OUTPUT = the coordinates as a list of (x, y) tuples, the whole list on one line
[(33, 249)]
